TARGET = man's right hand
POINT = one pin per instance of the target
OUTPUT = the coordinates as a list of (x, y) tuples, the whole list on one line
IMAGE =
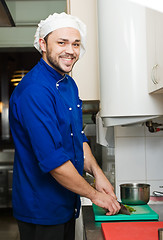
[(107, 202)]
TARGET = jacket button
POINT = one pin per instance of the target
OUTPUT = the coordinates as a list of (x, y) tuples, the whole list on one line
[(78, 105), (82, 132), (70, 109), (72, 134)]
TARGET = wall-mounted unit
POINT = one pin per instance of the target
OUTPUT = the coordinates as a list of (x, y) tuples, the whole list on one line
[(124, 51)]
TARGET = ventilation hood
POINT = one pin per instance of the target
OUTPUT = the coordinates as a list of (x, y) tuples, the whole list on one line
[(6, 19), (126, 121)]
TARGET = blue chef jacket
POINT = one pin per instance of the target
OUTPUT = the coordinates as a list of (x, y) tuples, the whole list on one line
[(46, 125)]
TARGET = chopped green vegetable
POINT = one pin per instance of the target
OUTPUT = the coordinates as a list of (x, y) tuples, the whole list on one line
[(131, 209)]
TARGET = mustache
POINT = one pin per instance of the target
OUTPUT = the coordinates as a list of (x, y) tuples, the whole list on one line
[(68, 56)]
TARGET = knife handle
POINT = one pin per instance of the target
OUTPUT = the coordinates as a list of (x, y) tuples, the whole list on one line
[(160, 234)]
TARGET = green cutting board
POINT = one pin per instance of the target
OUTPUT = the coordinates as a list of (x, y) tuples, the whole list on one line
[(143, 212)]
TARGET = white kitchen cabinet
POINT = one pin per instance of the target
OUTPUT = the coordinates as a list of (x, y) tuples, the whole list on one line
[(86, 70), (155, 50)]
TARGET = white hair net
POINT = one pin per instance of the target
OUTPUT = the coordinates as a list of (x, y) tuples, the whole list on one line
[(57, 21)]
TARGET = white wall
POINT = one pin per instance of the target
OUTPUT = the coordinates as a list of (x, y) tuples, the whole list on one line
[(138, 157)]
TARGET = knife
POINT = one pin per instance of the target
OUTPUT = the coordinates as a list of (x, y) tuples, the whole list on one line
[(123, 210)]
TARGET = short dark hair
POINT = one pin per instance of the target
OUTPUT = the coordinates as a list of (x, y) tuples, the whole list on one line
[(46, 37)]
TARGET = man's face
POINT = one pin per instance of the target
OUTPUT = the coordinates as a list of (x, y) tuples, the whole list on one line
[(62, 49)]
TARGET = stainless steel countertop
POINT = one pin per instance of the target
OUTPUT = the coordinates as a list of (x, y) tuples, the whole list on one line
[(92, 229), (7, 157)]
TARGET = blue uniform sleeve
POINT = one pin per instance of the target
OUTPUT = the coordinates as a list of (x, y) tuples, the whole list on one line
[(38, 118)]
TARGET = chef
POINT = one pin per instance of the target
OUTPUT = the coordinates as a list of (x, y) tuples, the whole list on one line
[(51, 149)]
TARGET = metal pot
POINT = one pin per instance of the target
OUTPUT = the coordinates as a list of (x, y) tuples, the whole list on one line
[(135, 193)]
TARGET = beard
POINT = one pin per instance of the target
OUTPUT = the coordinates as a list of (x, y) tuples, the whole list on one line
[(54, 63)]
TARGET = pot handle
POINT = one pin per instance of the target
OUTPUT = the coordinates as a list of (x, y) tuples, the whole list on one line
[(158, 194)]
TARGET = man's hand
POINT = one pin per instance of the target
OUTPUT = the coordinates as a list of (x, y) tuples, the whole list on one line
[(103, 185), (107, 202)]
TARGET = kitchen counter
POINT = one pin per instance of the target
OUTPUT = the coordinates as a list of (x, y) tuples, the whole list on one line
[(7, 157), (92, 229)]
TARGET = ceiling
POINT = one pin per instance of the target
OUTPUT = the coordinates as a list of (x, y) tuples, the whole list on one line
[(16, 12)]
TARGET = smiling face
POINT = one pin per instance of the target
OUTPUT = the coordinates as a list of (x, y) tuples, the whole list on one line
[(61, 50)]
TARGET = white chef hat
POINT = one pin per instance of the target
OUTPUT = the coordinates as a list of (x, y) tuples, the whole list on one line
[(60, 20)]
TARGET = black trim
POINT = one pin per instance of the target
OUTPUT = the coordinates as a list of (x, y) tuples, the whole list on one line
[(4, 5)]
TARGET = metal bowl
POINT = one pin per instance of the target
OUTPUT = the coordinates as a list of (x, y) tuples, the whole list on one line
[(135, 193)]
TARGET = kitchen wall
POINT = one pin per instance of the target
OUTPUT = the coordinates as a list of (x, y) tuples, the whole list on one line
[(138, 156)]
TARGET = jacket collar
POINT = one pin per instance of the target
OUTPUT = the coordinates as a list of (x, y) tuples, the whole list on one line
[(51, 70)]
